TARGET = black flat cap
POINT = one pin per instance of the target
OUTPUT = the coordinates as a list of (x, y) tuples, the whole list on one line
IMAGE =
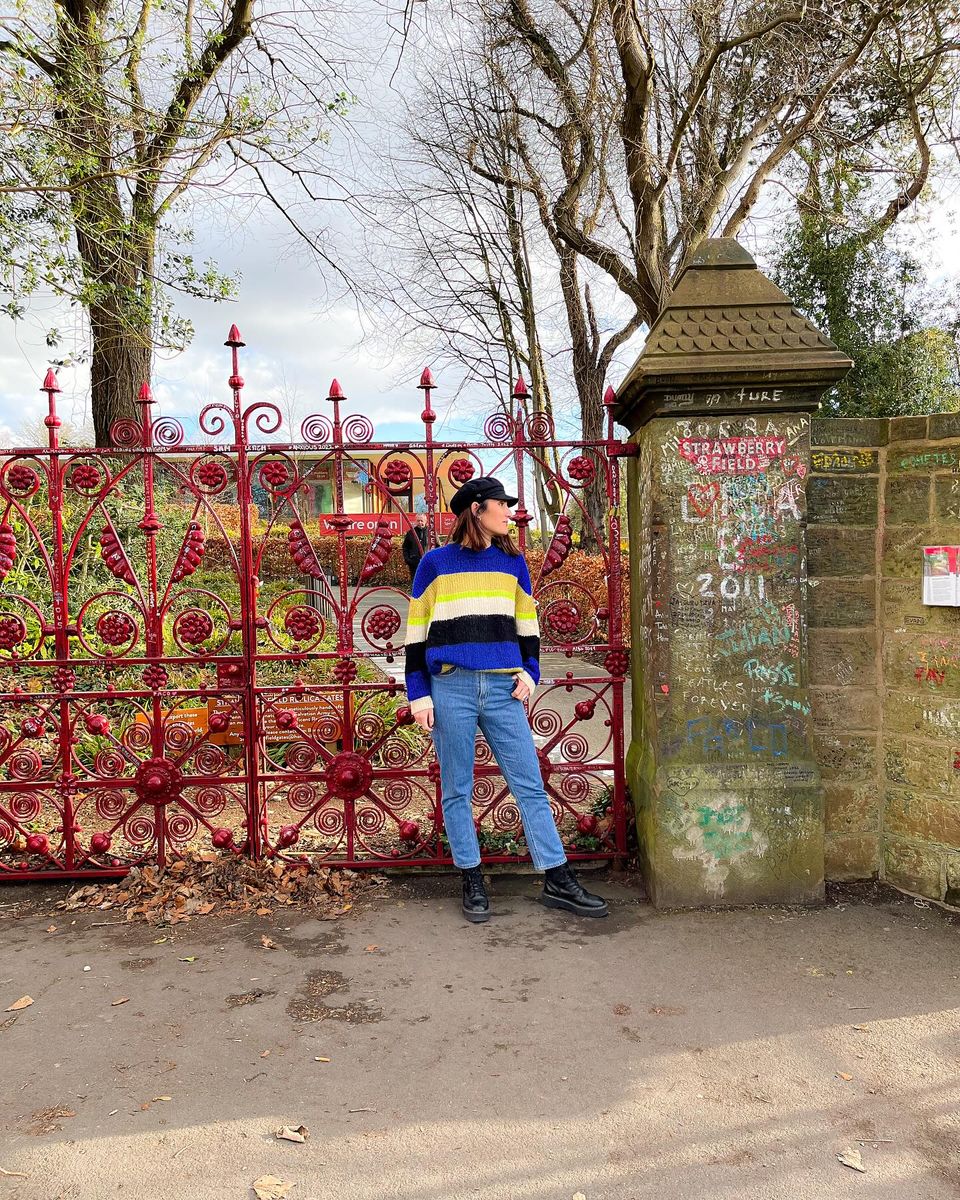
[(483, 488)]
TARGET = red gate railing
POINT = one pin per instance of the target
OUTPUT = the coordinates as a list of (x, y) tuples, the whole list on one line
[(201, 645)]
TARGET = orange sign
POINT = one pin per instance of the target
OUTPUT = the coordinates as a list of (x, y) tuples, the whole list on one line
[(307, 710)]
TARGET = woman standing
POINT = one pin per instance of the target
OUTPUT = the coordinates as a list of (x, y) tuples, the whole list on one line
[(472, 658)]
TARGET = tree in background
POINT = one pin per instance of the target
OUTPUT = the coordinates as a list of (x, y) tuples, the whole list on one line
[(875, 303), (874, 300), (116, 118), (624, 132)]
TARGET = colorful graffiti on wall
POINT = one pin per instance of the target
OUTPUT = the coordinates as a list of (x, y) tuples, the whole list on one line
[(727, 618)]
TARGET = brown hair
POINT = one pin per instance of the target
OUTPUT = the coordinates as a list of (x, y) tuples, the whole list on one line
[(467, 533)]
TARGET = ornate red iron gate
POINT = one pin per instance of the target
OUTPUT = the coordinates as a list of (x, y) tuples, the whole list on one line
[(185, 662)]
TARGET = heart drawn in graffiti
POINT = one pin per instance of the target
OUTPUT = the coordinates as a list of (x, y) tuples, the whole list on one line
[(703, 496), (794, 465)]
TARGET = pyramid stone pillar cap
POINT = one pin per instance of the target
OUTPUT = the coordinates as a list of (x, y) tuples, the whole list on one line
[(728, 341)]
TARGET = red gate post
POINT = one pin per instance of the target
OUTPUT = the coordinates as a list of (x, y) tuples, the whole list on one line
[(61, 614), (252, 734)]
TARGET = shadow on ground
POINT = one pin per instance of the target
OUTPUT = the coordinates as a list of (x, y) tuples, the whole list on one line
[(711, 1054)]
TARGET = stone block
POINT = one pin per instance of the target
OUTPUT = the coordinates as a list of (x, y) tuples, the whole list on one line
[(906, 429), (912, 867), (844, 710), (904, 611), (849, 431), (736, 844), (846, 757), (838, 602), (946, 498), (903, 548), (841, 658), (845, 462), (918, 766), (952, 894), (922, 817), (907, 500), (852, 856), (840, 550), (839, 500), (944, 425), (849, 809), (921, 717), (922, 663), (921, 458)]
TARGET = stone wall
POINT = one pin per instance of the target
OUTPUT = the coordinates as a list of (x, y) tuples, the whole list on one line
[(884, 667)]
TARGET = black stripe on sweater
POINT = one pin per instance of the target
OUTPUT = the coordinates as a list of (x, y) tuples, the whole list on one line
[(416, 657), (529, 648), (475, 628)]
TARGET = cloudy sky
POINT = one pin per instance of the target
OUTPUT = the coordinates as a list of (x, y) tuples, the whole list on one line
[(299, 334)]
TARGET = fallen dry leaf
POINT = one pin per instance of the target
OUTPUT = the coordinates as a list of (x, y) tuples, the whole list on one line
[(268, 943), (852, 1158), (17, 1005), (844, 1075), (51, 929), (207, 882), (289, 1133), (269, 1187), (47, 1118), (121, 1000)]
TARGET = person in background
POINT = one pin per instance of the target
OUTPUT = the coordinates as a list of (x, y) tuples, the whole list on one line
[(472, 659), (415, 543)]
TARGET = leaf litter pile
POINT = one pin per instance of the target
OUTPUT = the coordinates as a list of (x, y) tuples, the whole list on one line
[(205, 883)]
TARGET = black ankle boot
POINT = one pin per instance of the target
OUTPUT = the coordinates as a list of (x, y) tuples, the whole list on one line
[(562, 889), (476, 906)]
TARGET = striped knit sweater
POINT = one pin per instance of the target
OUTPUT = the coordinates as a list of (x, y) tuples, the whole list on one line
[(473, 609)]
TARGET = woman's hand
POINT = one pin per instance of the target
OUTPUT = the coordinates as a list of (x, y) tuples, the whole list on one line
[(424, 718), (521, 691)]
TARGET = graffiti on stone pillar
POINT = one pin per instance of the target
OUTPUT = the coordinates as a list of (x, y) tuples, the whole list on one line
[(718, 834), (732, 594)]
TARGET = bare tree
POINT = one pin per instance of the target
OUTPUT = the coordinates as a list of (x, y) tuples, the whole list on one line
[(115, 116), (712, 103), (476, 260)]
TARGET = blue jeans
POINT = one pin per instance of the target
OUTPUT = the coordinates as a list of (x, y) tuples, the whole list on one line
[(462, 701)]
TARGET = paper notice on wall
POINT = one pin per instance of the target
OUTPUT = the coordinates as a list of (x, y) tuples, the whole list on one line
[(941, 577)]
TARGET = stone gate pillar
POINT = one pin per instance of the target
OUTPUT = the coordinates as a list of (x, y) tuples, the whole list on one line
[(721, 767)]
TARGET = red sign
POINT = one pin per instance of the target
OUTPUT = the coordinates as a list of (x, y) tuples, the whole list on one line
[(365, 524), (732, 456)]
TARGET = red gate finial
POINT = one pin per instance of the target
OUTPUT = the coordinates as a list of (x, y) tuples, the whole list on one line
[(235, 382), (426, 384), (51, 420)]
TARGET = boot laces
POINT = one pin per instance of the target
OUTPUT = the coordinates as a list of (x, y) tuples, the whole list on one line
[(473, 883)]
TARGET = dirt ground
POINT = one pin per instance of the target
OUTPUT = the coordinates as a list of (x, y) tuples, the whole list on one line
[(669, 1055)]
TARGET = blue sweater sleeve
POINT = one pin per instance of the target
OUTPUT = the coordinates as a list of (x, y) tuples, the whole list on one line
[(415, 648), (528, 627)]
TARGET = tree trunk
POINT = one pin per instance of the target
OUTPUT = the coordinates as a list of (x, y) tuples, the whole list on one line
[(590, 387), (119, 366)]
